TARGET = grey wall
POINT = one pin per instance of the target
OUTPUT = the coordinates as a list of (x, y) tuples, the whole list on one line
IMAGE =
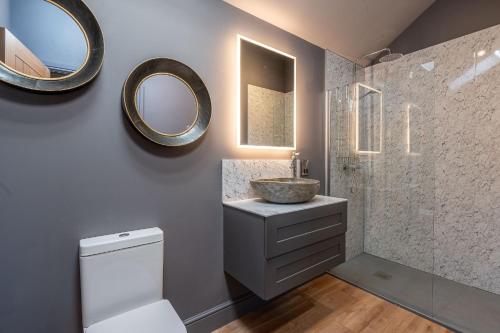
[(265, 68), (72, 166), (445, 20), (47, 31)]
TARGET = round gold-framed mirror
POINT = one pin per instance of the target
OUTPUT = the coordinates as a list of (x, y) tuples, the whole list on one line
[(50, 45), (167, 102)]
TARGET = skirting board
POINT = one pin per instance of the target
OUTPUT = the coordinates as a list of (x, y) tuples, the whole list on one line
[(224, 313)]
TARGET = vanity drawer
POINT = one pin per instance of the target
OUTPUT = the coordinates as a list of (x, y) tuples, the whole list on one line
[(289, 232), (297, 267)]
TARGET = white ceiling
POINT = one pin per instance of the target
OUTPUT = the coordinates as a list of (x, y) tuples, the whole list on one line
[(351, 28)]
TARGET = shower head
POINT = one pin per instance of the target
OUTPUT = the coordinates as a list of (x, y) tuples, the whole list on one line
[(390, 57)]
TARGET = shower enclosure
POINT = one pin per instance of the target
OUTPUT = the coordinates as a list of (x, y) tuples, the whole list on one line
[(414, 145)]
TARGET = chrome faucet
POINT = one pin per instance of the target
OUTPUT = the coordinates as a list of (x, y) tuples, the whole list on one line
[(293, 165)]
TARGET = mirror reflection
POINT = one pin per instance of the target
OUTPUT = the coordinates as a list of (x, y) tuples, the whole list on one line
[(369, 119), (167, 104), (39, 39), (267, 96)]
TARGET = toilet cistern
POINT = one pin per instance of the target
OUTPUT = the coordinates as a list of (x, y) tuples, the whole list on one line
[(122, 284)]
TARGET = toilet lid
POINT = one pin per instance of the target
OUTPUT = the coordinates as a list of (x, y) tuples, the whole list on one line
[(158, 317)]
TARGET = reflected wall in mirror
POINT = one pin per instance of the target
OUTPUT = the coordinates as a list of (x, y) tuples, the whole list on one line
[(49, 45), (40, 39), (368, 119), (167, 104), (267, 96)]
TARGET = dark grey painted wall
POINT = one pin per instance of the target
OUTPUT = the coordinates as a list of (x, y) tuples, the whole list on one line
[(445, 20), (72, 166), (264, 68), (47, 31)]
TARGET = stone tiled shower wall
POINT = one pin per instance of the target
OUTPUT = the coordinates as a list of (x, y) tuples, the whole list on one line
[(432, 197), (399, 206)]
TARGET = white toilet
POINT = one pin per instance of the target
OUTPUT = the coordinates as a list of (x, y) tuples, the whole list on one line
[(122, 281)]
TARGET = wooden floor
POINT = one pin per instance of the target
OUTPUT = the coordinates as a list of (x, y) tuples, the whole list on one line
[(329, 305)]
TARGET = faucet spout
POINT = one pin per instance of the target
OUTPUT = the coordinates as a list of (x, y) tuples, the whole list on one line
[(293, 165)]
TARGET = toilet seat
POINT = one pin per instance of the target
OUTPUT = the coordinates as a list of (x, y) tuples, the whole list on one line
[(158, 317)]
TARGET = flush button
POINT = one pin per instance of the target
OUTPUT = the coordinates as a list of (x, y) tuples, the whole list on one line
[(125, 234)]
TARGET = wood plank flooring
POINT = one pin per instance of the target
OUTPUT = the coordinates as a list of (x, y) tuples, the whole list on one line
[(330, 305)]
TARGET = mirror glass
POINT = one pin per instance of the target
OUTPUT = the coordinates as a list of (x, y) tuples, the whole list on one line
[(166, 104), (267, 96), (40, 40), (369, 119)]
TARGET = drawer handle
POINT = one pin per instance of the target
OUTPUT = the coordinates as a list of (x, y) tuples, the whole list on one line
[(308, 268), (308, 233)]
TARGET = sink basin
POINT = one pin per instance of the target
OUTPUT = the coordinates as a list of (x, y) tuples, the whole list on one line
[(286, 190)]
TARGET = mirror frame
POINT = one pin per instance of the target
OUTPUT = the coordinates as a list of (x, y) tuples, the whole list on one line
[(87, 22), (239, 39), (158, 66), (356, 94)]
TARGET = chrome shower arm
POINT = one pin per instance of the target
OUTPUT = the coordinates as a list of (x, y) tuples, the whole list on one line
[(374, 53)]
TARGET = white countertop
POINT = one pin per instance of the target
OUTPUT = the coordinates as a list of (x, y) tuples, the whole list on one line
[(266, 209)]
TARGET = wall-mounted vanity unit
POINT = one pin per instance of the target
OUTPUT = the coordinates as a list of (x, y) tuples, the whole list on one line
[(273, 248)]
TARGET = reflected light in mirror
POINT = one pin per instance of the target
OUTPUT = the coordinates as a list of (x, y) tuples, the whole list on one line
[(428, 66), (239, 38), (480, 68), (358, 85)]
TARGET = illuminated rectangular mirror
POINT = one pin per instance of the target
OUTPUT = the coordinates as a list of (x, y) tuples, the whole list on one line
[(368, 119), (266, 103)]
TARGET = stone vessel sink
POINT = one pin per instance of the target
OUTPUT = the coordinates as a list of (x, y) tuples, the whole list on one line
[(286, 190)]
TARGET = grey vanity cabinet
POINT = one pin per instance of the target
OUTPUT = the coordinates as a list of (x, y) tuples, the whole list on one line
[(272, 252)]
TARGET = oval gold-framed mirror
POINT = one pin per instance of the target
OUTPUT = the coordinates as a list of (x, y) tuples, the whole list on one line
[(49, 45), (167, 102)]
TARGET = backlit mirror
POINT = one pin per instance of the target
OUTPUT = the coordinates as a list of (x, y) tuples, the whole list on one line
[(368, 119), (167, 104), (44, 44), (267, 96)]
